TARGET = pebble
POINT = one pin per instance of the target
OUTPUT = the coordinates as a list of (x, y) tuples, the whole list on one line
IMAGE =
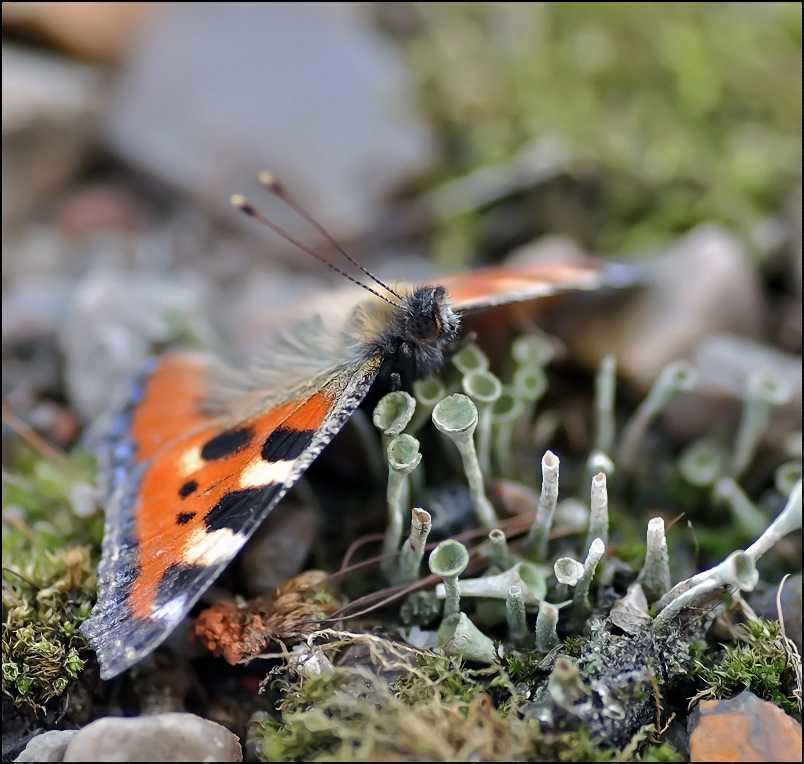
[(49, 746), (280, 547), (743, 728), (165, 737), (114, 319), (703, 284), (100, 32), (50, 109), (723, 363), (310, 91)]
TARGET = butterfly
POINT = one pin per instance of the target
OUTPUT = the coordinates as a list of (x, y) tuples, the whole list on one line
[(199, 456)]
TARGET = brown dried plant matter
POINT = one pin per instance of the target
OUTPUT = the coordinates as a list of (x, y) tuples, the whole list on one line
[(289, 614)]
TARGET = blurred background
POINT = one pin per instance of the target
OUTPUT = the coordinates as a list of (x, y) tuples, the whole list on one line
[(426, 137)]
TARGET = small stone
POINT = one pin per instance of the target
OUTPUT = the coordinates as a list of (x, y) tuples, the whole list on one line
[(56, 422), (50, 106), (450, 507), (512, 498), (705, 283), (280, 547), (321, 100), (743, 728), (49, 746), (723, 363), (165, 737), (114, 319), (101, 32)]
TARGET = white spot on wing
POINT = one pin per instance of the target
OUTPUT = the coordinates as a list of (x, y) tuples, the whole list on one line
[(171, 610), (208, 548), (260, 473), (190, 461)]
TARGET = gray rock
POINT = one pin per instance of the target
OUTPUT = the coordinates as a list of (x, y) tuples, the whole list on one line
[(280, 547), (50, 108), (166, 737), (703, 284), (114, 320), (723, 363), (49, 746), (217, 92)]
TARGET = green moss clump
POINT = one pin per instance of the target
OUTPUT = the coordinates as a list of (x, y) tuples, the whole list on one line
[(42, 647), (761, 662), (417, 707), (660, 752), (354, 715), (48, 578), (524, 664)]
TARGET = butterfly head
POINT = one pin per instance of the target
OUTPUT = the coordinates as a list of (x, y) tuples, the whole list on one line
[(429, 317), (426, 335)]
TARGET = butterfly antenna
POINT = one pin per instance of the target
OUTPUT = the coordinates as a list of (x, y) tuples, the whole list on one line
[(269, 181), (249, 209)]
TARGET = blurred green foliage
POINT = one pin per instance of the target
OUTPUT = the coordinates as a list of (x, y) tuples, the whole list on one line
[(671, 113)]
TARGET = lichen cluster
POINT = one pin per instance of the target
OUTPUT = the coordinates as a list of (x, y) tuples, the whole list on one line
[(579, 652)]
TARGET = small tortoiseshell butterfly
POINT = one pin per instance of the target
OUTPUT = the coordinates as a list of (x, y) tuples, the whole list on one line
[(198, 458)]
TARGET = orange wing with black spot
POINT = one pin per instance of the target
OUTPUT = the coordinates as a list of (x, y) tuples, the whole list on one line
[(186, 491)]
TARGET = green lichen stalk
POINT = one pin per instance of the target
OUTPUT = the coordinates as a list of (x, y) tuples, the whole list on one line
[(403, 458), (535, 546), (456, 416), (655, 573), (762, 396), (412, 553), (676, 377)]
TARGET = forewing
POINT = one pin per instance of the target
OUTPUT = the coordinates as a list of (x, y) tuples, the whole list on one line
[(490, 287), (180, 508)]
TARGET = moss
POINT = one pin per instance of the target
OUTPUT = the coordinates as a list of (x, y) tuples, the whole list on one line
[(48, 577), (523, 665), (401, 704), (660, 752), (761, 661), (574, 645), (437, 710)]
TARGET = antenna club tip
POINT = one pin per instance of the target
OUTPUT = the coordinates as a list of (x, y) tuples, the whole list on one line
[(240, 201), (268, 179)]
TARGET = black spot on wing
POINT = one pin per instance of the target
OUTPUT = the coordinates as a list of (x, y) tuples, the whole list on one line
[(227, 443), (184, 517), (285, 444), (238, 509), (189, 487)]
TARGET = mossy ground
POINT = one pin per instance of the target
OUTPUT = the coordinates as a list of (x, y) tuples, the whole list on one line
[(414, 706), (761, 660), (49, 560)]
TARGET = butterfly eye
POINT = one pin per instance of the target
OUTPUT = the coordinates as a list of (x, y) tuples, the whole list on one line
[(422, 328)]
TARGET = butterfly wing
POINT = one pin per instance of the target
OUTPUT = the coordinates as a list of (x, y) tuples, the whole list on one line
[(186, 491), (490, 287)]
